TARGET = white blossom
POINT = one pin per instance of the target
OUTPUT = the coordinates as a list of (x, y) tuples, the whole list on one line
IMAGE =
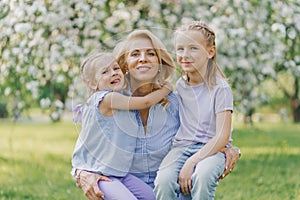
[(60, 78), (55, 116), (7, 91), (58, 104), (45, 103)]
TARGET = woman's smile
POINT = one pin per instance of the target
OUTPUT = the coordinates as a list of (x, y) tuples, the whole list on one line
[(143, 68)]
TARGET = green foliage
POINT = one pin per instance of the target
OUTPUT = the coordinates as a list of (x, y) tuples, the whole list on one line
[(35, 162)]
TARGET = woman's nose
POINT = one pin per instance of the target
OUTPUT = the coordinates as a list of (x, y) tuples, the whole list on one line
[(142, 57)]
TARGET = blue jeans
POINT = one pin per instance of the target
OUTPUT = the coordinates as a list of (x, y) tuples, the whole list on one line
[(128, 187), (204, 178)]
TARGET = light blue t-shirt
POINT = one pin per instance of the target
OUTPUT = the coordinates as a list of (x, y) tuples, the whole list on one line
[(198, 106), (106, 145)]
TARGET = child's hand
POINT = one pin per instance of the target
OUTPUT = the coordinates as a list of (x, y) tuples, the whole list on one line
[(185, 176), (168, 85)]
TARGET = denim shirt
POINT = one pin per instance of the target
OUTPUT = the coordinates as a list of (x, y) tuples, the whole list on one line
[(153, 146)]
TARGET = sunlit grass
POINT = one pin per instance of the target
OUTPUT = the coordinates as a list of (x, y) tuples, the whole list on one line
[(35, 162), (269, 166), (270, 150)]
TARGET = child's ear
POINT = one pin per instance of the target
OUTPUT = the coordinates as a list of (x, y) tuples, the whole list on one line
[(212, 52), (92, 85)]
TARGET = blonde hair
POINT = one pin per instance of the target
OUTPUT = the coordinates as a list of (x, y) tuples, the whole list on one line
[(209, 35), (88, 69), (167, 66)]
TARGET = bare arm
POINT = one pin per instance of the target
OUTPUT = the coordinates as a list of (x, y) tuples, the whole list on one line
[(116, 100), (218, 142)]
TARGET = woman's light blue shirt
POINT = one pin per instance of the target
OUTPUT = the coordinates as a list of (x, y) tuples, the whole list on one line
[(106, 145), (153, 146)]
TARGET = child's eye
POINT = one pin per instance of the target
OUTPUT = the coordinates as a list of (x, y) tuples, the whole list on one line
[(117, 68), (104, 72), (179, 49), (194, 48)]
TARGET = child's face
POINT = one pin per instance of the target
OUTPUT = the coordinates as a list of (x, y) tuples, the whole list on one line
[(191, 51), (109, 75)]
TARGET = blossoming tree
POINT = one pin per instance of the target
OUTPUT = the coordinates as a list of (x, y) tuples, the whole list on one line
[(42, 43)]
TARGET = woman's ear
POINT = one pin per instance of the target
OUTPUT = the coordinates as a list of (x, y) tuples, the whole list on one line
[(212, 51)]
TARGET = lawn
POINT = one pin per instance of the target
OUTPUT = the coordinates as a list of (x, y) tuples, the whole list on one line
[(35, 162), (269, 166)]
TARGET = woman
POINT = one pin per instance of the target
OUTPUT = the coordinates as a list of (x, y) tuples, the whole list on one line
[(147, 64)]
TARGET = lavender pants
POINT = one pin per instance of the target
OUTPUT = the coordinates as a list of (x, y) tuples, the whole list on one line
[(128, 187)]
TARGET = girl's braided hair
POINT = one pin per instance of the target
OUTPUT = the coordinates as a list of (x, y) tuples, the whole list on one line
[(210, 37)]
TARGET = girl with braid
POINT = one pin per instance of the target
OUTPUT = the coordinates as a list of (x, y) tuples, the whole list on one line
[(194, 164)]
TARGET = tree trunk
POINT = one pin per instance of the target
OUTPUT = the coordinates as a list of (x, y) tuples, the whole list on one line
[(296, 110), (248, 117), (296, 101)]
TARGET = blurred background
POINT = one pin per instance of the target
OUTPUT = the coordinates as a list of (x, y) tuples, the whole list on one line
[(43, 42)]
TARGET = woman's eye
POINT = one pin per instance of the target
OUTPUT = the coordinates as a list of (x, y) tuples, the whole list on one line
[(180, 49), (194, 48), (152, 54), (135, 54)]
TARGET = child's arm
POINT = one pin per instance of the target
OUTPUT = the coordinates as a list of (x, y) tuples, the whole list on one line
[(115, 100), (219, 141)]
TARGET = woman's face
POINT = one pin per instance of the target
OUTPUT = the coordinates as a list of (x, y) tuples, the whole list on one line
[(142, 61)]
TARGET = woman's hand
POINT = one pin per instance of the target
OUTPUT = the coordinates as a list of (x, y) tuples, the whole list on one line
[(88, 182), (232, 155), (185, 176)]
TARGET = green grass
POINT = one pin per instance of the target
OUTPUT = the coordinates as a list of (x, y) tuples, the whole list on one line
[(269, 166), (35, 162)]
